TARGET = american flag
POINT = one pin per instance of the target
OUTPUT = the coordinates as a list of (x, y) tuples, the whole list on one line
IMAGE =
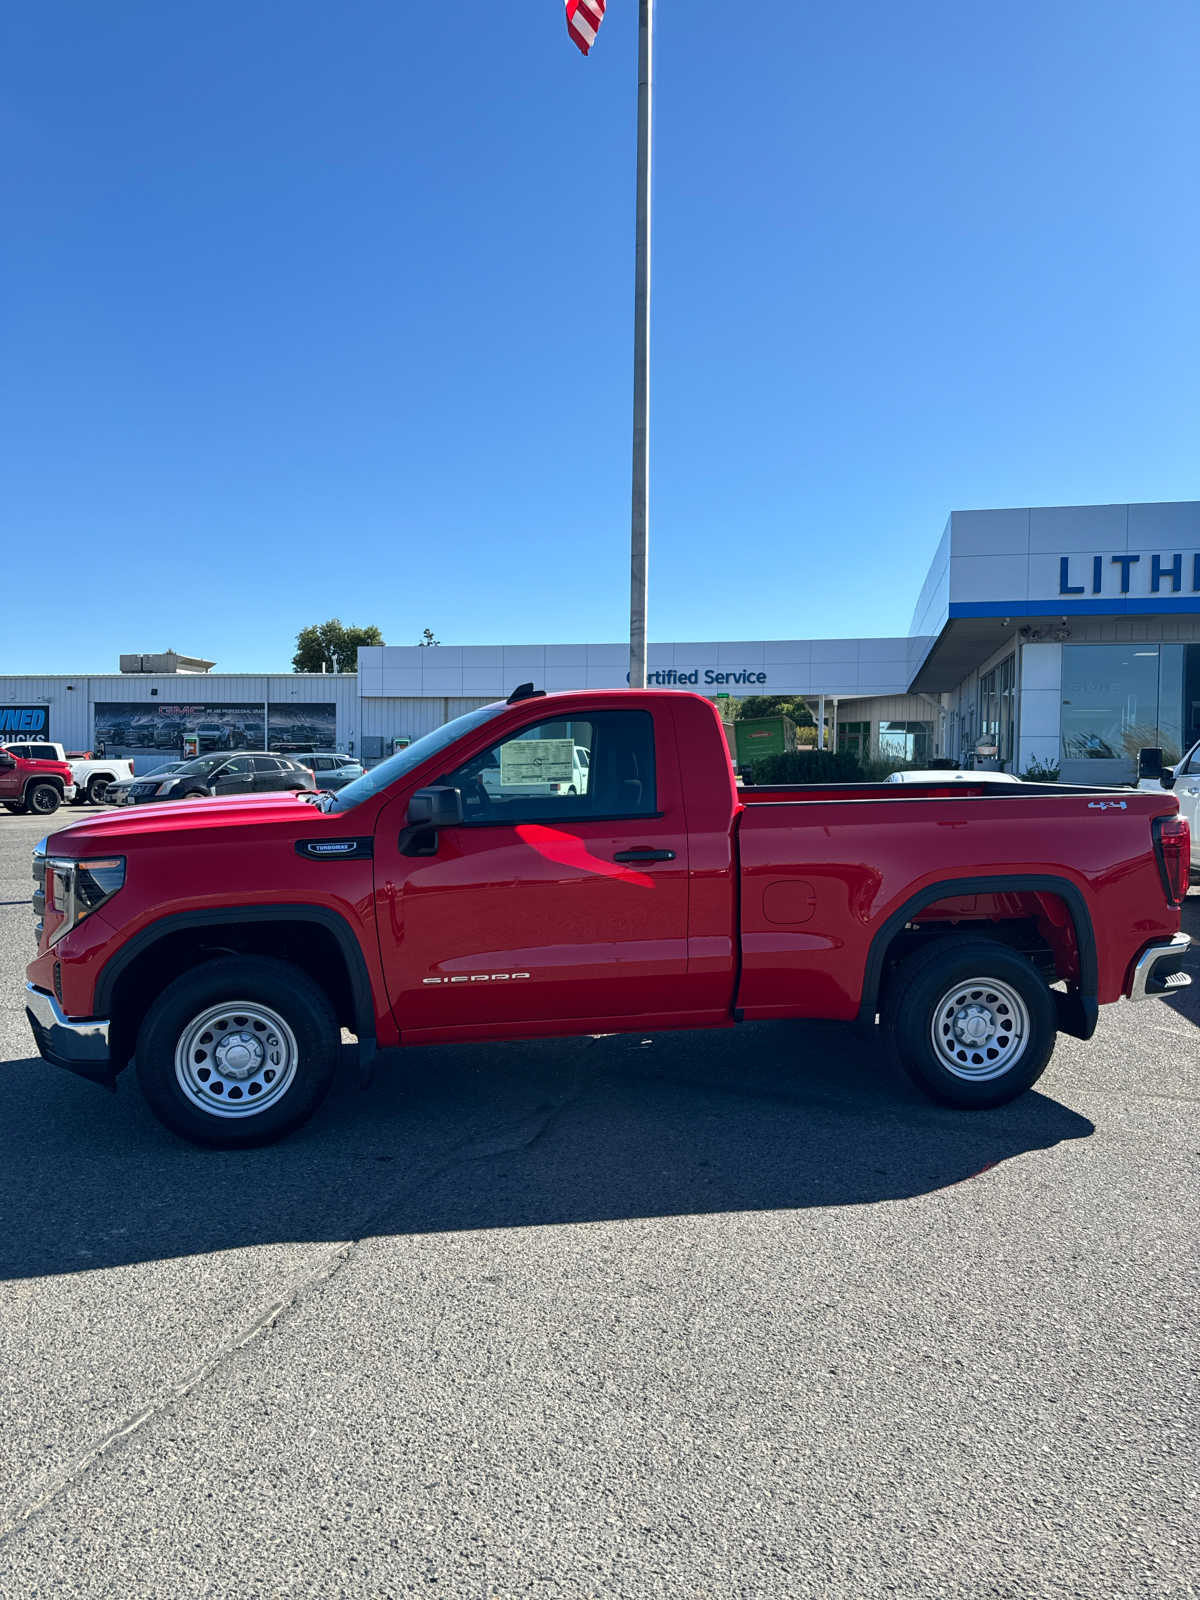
[(583, 21)]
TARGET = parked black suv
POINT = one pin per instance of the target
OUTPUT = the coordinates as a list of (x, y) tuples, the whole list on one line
[(239, 772)]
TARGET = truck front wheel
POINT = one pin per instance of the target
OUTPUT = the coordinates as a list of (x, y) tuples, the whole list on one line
[(974, 1023), (238, 1052)]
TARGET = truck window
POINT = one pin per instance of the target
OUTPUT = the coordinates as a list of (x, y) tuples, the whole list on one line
[(34, 752), (563, 769)]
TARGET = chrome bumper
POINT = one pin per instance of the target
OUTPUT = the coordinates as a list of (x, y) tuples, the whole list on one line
[(81, 1047), (1158, 969)]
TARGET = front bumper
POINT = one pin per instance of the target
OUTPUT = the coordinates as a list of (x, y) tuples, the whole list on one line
[(80, 1047), (1158, 969)]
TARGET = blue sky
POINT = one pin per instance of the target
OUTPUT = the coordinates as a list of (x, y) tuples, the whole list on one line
[(323, 310)]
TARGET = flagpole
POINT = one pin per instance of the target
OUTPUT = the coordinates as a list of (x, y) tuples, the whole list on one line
[(640, 517)]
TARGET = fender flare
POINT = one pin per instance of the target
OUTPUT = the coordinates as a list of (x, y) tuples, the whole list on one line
[(1078, 1010), (183, 921), (51, 778)]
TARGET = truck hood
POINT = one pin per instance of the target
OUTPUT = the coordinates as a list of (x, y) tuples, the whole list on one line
[(109, 830)]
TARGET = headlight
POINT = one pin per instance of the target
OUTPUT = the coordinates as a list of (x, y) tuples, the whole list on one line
[(74, 889)]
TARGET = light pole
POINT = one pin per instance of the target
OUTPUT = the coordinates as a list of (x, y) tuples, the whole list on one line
[(640, 516)]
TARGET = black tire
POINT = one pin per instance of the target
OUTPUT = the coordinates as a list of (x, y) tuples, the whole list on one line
[(988, 1070), (43, 799), (97, 789), (13, 806), (248, 988)]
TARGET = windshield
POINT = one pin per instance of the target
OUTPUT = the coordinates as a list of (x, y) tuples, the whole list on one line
[(406, 760)]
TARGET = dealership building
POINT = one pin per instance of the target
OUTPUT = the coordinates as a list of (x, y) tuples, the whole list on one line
[(1065, 635)]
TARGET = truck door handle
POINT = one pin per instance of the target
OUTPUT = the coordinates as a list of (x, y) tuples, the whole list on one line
[(644, 855)]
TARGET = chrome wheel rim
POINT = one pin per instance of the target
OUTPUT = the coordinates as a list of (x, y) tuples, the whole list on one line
[(980, 1029), (236, 1059)]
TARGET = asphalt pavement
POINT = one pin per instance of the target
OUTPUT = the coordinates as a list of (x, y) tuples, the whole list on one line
[(698, 1316)]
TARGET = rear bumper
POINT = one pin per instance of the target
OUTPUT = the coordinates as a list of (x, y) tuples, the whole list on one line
[(1158, 969), (80, 1047)]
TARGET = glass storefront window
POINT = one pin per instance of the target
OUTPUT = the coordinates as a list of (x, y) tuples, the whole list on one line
[(997, 707), (1118, 698), (855, 737), (906, 741)]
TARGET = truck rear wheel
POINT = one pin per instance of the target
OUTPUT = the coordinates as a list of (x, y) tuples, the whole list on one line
[(238, 1052), (974, 1023), (43, 799), (97, 789)]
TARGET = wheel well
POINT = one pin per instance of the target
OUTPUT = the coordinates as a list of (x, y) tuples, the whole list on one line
[(51, 778), (1043, 919), (308, 945), (1020, 934)]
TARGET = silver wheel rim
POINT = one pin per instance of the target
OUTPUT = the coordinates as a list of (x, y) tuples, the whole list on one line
[(980, 1029), (236, 1059)]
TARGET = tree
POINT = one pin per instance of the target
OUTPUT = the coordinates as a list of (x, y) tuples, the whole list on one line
[(427, 638), (775, 705), (331, 646)]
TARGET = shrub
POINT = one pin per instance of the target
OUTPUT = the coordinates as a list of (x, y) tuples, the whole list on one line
[(806, 766), (1039, 771), (880, 767)]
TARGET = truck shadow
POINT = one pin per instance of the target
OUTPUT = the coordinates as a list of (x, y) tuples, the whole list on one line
[(774, 1116)]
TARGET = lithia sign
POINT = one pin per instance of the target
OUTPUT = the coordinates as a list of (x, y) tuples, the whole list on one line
[(1125, 574)]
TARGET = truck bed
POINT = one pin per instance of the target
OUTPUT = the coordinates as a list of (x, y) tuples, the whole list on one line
[(757, 794), (827, 871)]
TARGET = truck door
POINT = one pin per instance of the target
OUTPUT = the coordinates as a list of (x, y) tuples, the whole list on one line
[(544, 907), (12, 777)]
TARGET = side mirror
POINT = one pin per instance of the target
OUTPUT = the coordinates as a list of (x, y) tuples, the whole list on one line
[(438, 807), (6, 761), (1150, 764)]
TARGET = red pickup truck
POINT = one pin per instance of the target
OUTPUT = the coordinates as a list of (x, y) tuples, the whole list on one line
[(585, 863), (33, 784)]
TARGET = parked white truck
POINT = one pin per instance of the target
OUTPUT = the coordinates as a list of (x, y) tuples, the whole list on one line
[(92, 774), (1183, 780)]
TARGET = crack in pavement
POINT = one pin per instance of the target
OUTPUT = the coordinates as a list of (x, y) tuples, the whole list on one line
[(302, 1286)]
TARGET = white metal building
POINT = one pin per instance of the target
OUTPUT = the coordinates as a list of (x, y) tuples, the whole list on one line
[(1066, 635)]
